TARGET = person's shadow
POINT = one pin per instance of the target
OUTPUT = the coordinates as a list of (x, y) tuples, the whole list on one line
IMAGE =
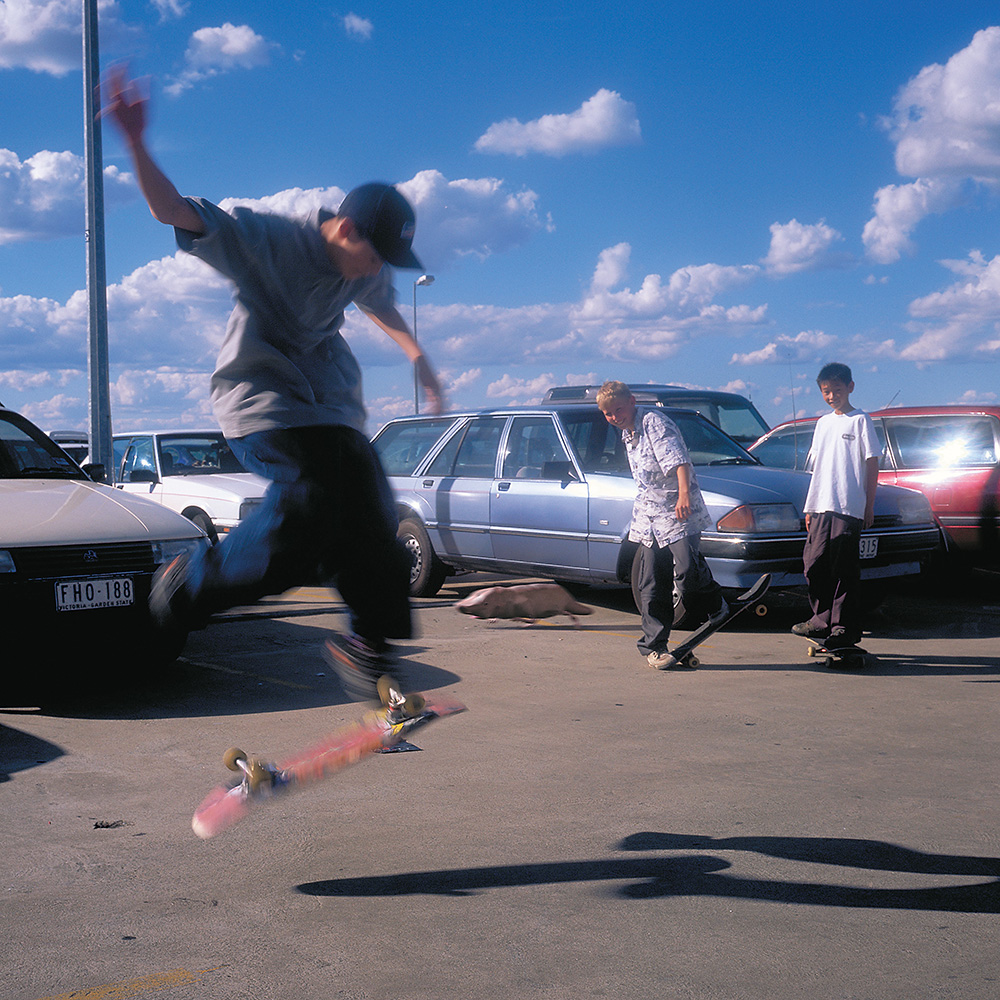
[(704, 875)]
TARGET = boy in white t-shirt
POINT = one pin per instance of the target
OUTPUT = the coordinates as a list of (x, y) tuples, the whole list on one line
[(840, 502)]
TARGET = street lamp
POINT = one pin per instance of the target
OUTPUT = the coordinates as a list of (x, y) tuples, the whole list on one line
[(424, 279)]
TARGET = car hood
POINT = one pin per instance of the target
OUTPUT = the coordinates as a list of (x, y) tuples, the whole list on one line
[(754, 483), (223, 485), (53, 512)]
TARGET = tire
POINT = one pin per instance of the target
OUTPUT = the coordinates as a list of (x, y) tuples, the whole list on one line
[(200, 518), (427, 572)]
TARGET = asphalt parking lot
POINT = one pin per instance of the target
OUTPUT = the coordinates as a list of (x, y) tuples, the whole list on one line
[(760, 827)]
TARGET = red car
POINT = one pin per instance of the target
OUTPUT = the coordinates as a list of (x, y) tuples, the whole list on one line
[(950, 453)]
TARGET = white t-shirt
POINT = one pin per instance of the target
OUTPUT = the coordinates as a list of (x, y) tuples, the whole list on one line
[(841, 446)]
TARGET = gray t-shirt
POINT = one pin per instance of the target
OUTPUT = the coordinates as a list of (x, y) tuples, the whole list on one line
[(283, 362)]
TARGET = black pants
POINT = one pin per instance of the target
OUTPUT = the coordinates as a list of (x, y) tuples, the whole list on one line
[(832, 563), (328, 517), (680, 563)]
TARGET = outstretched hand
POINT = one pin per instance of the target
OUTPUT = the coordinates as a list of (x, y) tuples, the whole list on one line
[(125, 103), (432, 388)]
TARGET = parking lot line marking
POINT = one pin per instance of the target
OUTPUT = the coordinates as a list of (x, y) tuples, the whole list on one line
[(592, 631), (136, 987), (244, 673)]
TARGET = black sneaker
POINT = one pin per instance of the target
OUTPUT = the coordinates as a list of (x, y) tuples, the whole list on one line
[(358, 666), (170, 603), (839, 638), (810, 631)]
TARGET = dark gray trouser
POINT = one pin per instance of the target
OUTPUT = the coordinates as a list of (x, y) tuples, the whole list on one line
[(679, 563), (832, 563), (327, 517)]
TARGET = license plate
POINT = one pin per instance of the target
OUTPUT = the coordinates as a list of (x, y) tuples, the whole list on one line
[(869, 547), (85, 595)]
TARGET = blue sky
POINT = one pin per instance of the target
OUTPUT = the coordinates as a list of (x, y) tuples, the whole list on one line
[(722, 195)]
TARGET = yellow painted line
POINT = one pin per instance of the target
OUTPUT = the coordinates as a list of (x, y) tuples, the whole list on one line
[(244, 673), (155, 983), (588, 630)]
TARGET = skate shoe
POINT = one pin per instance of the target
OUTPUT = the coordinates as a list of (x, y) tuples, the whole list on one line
[(359, 667)]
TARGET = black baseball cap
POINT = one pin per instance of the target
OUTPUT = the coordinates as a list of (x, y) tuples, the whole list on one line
[(386, 219)]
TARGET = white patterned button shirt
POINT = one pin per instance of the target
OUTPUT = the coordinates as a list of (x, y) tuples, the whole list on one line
[(655, 449)]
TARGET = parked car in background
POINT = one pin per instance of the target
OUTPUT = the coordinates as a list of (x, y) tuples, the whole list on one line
[(76, 444), (77, 558), (734, 413), (547, 491), (192, 472), (951, 454)]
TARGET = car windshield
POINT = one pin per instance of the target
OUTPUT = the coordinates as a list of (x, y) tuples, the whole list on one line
[(600, 446), (26, 453), (196, 455)]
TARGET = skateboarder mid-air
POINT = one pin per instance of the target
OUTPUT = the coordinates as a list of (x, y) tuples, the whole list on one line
[(668, 517), (287, 393)]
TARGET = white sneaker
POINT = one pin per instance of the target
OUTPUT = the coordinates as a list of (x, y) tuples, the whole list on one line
[(662, 661)]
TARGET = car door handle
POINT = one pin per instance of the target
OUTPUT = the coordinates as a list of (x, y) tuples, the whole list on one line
[(503, 487), (428, 483)]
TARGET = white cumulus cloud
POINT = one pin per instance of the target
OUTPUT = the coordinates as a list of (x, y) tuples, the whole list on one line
[(358, 27), (946, 127), (604, 120), (800, 247), (212, 51)]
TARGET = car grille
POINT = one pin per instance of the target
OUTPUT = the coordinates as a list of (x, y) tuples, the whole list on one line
[(51, 562)]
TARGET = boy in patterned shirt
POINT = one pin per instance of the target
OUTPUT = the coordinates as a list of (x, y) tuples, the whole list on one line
[(668, 517)]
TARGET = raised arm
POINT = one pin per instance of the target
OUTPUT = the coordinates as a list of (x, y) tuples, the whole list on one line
[(124, 104), (394, 325)]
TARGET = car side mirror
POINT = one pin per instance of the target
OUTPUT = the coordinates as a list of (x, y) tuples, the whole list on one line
[(142, 476), (96, 472)]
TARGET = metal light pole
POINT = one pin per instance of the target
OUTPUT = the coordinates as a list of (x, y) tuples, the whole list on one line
[(97, 296), (424, 279)]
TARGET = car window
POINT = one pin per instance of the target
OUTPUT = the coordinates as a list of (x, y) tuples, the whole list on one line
[(736, 417), (139, 456), (401, 447), (943, 441), (598, 445), (25, 451), (472, 454), (196, 455), (787, 448), (533, 446)]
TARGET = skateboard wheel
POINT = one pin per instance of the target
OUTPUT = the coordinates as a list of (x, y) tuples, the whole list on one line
[(388, 690), (829, 662), (691, 662), (414, 704), (760, 610), (231, 756)]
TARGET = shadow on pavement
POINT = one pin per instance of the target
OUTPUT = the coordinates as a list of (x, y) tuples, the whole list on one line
[(704, 875), (20, 751)]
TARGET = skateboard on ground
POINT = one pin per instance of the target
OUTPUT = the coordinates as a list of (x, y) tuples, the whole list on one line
[(684, 654), (841, 658), (377, 731)]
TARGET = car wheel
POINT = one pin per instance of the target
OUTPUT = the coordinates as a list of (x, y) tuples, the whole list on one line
[(427, 572), (205, 523)]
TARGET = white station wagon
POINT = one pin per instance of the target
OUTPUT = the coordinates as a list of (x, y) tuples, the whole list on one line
[(192, 472)]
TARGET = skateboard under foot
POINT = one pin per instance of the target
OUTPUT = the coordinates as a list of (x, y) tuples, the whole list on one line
[(841, 657), (683, 655)]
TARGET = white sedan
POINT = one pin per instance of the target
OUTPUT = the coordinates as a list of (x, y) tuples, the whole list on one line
[(77, 558), (192, 472)]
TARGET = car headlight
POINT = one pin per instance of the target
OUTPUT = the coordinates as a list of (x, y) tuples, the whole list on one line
[(762, 517), (914, 508), (7, 562), (247, 506), (166, 550)]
